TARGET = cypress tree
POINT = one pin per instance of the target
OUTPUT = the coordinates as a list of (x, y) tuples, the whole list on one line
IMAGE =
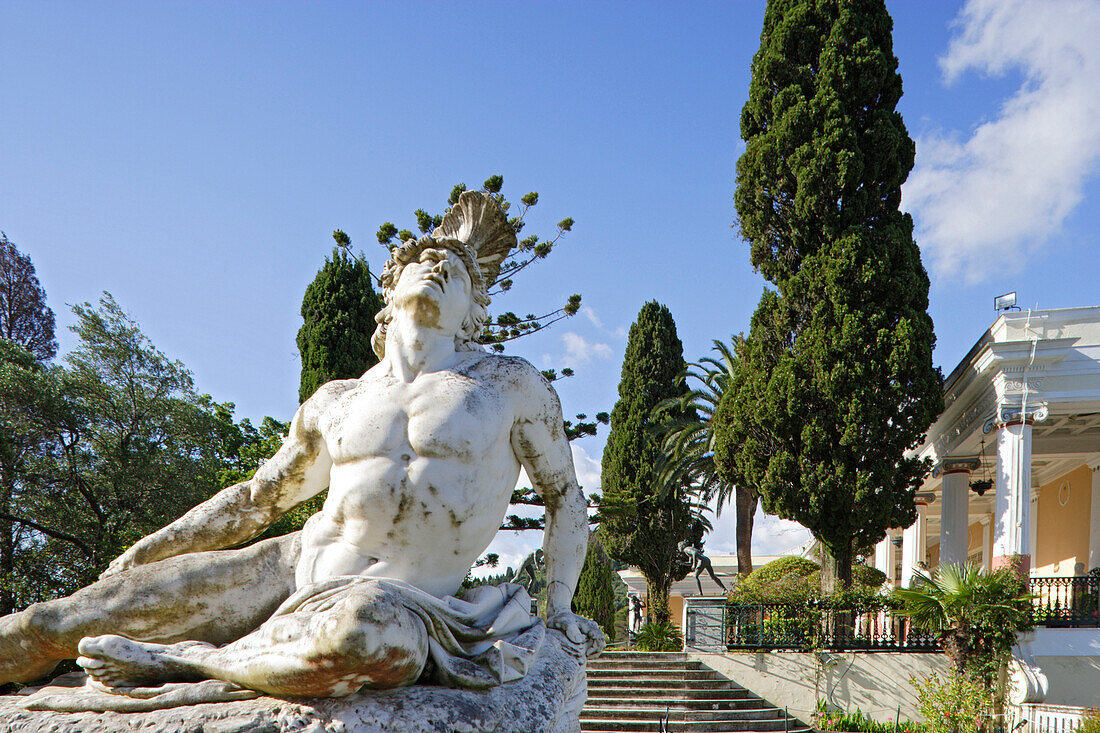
[(640, 524), (835, 379), (338, 313), (595, 595)]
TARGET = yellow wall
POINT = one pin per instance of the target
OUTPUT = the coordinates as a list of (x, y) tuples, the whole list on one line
[(973, 540), (676, 609), (1063, 529)]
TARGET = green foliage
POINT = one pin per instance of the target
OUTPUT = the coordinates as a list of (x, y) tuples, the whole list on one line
[(954, 704), (784, 580), (117, 445), (834, 382), (796, 580), (24, 316), (595, 594), (640, 524), (338, 320), (685, 427), (658, 636), (1090, 723), (977, 614), (857, 722), (868, 576)]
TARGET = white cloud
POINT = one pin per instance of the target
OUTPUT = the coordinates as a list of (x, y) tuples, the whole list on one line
[(770, 535), (580, 351), (983, 203), (591, 315)]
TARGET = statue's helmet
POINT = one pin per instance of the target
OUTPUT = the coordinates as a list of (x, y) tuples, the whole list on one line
[(478, 231)]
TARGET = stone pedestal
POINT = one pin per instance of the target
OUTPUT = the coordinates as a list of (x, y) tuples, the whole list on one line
[(547, 700)]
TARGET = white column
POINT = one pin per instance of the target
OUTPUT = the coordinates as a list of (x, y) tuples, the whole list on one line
[(987, 546), (1012, 503), (955, 510), (913, 547), (1094, 521), (884, 558)]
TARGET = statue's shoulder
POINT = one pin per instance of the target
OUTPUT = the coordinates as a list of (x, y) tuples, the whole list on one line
[(327, 394), (513, 371)]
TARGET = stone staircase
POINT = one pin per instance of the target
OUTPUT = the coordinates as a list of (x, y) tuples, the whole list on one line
[(634, 691)]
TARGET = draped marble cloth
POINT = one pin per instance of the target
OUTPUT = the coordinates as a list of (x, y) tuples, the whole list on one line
[(483, 638)]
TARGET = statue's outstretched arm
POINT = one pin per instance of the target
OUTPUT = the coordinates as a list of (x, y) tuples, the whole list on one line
[(298, 471), (541, 446)]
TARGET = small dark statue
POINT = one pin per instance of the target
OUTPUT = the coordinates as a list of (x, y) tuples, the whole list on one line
[(531, 565), (699, 563)]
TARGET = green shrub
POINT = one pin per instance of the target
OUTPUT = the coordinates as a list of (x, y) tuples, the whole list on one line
[(857, 722), (1091, 723), (785, 580), (868, 576), (659, 636), (954, 704)]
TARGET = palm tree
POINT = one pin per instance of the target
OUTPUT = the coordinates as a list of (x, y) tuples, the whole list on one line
[(687, 439), (977, 615)]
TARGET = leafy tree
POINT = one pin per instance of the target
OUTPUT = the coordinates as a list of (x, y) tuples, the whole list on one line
[(338, 320), (834, 382), (130, 448), (688, 441), (24, 316), (641, 524), (595, 595), (25, 390), (26, 337)]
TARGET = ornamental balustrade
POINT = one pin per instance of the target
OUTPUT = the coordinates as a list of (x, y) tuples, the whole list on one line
[(804, 627), (1072, 601)]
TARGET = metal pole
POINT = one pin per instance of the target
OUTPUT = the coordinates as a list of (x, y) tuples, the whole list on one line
[(786, 721)]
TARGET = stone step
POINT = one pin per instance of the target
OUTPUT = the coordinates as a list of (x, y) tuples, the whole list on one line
[(659, 711), (682, 703), (652, 674), (644, 656), (710, 683), (700, 726), (642, 664), (672, 693)]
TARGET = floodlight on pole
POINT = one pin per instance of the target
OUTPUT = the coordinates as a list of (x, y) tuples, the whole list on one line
[(1005, 302)]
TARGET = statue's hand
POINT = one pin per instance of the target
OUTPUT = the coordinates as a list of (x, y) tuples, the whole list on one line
[(579, 630)]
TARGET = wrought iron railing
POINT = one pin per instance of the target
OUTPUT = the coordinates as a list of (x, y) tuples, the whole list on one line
[(1072, 601), (799, 627)]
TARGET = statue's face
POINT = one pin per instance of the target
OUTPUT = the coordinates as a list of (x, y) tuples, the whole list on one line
[(435, 290)]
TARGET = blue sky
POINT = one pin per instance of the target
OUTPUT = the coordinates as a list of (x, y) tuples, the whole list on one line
[(193, 159)]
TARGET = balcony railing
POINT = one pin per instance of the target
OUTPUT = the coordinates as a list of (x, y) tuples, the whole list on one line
[(802, 628), (1072, 601)]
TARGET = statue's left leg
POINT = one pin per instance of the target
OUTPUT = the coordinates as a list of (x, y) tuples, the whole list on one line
[(366, 637), (715, 578)]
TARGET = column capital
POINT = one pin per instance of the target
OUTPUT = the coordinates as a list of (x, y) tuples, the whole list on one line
[(957, 464), (1017, 414)]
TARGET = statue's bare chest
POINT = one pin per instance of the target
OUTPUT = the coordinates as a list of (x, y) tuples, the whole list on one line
[(442, 415)]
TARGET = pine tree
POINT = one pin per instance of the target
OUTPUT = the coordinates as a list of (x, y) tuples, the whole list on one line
[(24, 316), (835, 379), (338, 313), (639, 523), (595, 595)]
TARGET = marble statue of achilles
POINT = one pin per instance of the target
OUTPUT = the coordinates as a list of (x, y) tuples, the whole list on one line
[(420, 456)]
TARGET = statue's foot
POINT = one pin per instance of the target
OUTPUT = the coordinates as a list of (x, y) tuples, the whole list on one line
[(115, 661)]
